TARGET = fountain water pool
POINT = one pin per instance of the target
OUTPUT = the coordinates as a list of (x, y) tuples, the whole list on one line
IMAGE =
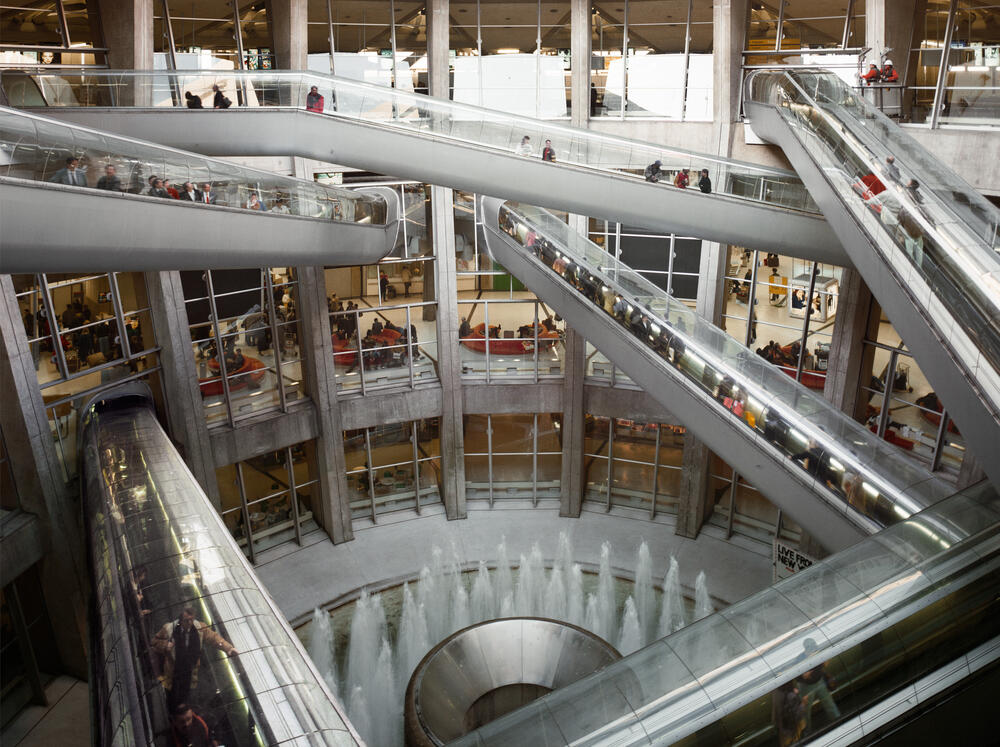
[(367, 650)]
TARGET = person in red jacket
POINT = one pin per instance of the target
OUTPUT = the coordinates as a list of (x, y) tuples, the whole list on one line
[(873, 75), (682, 179), (314, 100), (888, 73), (188, 729)]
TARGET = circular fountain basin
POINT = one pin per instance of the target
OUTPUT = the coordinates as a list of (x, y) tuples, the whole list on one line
[(486, 670)]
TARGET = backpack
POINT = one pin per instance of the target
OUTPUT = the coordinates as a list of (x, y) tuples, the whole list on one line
[(226, 103)]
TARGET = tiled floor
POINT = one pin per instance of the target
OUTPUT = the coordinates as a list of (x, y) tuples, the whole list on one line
[(64, 722)]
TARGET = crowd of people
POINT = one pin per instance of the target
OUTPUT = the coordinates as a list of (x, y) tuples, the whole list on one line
[(74, 174), (85, 341), (667, 339), (682, 177)]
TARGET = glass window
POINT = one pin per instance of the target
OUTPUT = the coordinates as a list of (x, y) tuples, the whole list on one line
[(252, 317), (272, 494), (513, 456), (85, 333), (393, 467), (205, 35), (633, 464), (505, 331), (512, 57), (650, 58)]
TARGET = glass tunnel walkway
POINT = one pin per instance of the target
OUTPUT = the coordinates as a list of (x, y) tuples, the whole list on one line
[(926, 243), (159, 552), (414, 136)]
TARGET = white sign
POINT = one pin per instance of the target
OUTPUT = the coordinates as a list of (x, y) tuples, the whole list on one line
[(788, 560)]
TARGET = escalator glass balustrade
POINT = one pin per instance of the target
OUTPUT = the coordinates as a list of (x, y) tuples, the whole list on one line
[(847, 465)]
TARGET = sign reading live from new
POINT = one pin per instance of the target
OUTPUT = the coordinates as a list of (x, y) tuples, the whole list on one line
[(788, 560)]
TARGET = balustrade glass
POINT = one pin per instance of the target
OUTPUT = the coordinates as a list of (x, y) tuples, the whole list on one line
[(844, 460), (401, 110)]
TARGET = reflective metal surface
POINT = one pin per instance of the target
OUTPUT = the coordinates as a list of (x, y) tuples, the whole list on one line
[(927, 244), (467, 667), (862, 481), (442, 142), (157, 546), (832, 641), (82, 169)]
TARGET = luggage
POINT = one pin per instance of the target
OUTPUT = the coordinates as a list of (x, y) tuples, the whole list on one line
[(96, 359)]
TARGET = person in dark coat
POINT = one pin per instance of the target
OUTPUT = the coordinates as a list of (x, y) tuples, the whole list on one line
[(193, 102), (704, 183)]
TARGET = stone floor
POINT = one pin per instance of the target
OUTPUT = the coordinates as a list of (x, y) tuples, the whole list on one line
[(301, 578), (65, 721)]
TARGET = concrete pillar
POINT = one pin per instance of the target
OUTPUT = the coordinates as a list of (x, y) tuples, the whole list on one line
[(729, 19), (711, 299), (438, 62), (848, 355), (693, 505), (573, 477), (127, 27), (40, 488), (449, 361), (888, 30), (289, 33), (332, 506), (185, 412), (580, 56), (970, 473)]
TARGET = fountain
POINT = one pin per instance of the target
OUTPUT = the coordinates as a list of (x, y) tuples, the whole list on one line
[(377, 666)]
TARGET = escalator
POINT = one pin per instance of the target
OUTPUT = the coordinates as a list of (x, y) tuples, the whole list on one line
[(925, 241), (74, 199), (870, 635), (832, 475), (442, 142)]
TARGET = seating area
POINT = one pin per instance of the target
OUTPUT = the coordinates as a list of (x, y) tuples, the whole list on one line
[(508, 344)]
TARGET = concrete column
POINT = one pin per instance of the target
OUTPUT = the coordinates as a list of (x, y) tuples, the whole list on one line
[(437, 48), (693, 506), (127, 27), (729, 19), (449, 361), (580, 56), (40, 488), (889, 29), (573, 478), (289, 33), (711, 299), (848, 355), (332, 506), (185, 411)]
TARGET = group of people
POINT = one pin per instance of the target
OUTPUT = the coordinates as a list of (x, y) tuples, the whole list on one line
[(667, 340), (682, 178), (219, 99), (90, 343), (74, 174), (886, 74), (525, 149)]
